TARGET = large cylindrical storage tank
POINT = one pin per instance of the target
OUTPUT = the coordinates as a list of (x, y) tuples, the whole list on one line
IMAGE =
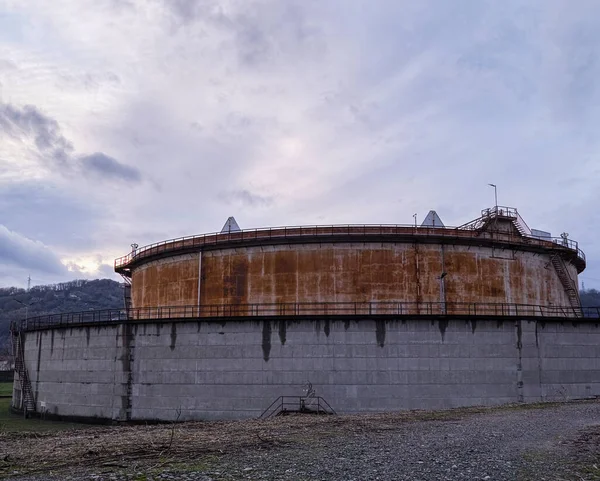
[(493, 264), (352, 318)]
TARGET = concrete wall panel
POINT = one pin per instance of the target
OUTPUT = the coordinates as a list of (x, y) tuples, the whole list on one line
[(236, 369)]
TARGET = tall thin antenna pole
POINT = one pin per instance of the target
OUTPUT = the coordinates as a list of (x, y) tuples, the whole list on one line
[(28, 283), (495, 194)]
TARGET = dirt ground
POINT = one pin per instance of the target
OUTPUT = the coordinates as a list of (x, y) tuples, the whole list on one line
[(558, 441)]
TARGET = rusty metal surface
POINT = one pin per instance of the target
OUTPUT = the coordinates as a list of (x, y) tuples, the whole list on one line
[(367, 272), (352, 272), (346, 233), (491, 260), (172, 281)]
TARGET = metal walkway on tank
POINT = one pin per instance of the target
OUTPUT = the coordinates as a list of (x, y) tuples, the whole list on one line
[(316, 310), (472, 231)]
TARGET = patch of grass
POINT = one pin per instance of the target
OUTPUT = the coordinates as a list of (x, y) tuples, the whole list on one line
[(529, 406), (6, 388), (198, 465), (16, 423), (589, 472)]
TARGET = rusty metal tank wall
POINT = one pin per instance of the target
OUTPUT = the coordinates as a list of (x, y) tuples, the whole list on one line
[(172, 281), (350, 272)]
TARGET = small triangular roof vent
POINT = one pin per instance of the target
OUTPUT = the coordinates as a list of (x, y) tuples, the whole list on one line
[(432, 220), (230, 226)]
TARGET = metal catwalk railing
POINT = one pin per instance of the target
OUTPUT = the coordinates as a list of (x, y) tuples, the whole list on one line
[(289, 233), (316, 309)]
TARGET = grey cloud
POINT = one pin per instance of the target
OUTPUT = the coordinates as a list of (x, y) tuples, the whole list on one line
[(45, 131), (247, 198), (186, 10), (108, 271), (580, 66), (17, 250), (260, 32), (7, 65), (51, 215), (88, 80), (106, 166), (53, 146)]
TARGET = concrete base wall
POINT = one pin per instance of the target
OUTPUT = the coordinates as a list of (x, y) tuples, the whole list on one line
[(227, 369)]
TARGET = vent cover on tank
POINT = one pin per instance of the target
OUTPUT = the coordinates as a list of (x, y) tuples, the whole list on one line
[(230, 226), (432, 220)]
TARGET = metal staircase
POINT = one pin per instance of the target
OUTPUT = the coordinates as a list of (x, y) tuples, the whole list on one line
[(127, 295), (498, 212), (476, 225), (284, 405), (27, 397), (521, 225), (569, 285)]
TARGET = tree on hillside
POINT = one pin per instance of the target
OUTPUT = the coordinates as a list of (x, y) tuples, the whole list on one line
[(78, 295), (590, 298)]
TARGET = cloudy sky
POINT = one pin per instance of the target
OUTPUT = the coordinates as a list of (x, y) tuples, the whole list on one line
[(141, 120)]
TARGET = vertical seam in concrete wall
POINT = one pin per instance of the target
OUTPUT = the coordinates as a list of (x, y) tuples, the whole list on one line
[(519, 336), (37, 370), (127, 367), (112, 404), (539, 358)]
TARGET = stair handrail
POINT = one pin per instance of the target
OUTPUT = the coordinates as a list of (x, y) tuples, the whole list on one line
[(278, 400), (27, 396), (569, 285), (327, 405), (278, 406), (523, 224)]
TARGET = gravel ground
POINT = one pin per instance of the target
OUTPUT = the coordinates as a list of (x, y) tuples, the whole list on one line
[(536, 442)]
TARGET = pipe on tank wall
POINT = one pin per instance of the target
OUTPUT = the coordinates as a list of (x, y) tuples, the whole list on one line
[(442, 281), (199, 274), (417, 276)]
